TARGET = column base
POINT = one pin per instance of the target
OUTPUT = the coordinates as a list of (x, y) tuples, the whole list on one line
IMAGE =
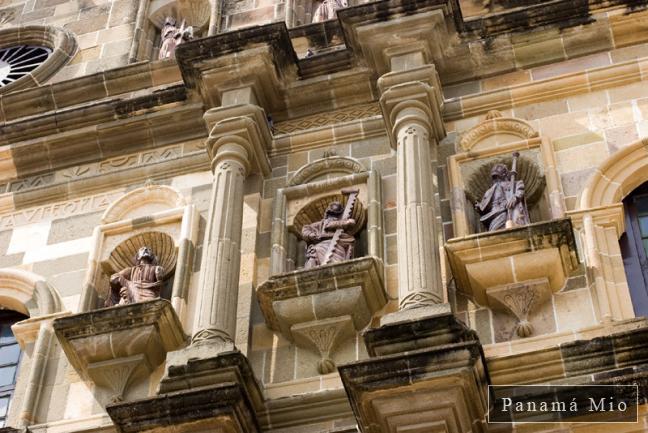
[(418, 313), (423, 374)]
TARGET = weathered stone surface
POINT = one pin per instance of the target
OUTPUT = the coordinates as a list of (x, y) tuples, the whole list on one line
[(117, 346)]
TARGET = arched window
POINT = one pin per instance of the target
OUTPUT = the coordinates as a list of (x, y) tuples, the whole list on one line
[(634, 247), (9, 359)]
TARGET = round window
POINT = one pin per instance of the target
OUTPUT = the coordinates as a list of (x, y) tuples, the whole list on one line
[(19, 60)]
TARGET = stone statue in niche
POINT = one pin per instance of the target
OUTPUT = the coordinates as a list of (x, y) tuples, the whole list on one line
[(327, 240), (327, 9), (503, 204), (142, 282), (172, 36)]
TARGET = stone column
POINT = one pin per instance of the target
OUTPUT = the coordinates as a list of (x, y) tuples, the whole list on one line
[(237, 141), (411, 104)]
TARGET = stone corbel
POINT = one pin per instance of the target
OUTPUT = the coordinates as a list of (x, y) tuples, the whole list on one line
[(113, 352), (520, 299)]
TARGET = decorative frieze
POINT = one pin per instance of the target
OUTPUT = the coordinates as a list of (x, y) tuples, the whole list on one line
[(329, 118)]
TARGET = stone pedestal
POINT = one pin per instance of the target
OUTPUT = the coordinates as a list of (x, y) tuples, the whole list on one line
[(515, 270), (218, 394), (115, 347), (425, 375), (320, 307)]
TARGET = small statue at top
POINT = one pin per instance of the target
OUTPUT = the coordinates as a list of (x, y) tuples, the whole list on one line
[(172, 36), (327, 10), (328, 239), (504, 204), (138, 283)]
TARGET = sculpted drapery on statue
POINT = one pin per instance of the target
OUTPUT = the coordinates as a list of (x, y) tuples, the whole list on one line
[(172, 36), (142, 282), (328, 240), (326, 10), (503, 204)]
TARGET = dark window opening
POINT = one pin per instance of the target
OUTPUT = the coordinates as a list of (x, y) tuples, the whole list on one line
[(9, 359)]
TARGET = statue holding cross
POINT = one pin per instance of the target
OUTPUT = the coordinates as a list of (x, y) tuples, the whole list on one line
[(328, 240)]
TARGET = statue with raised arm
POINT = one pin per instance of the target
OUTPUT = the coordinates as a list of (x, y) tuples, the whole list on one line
[(327, 10), (503, 204), (172, 36), (138, 283), (329, 240)]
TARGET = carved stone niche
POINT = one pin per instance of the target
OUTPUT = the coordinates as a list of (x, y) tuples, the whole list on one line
[(493, 141), (515, 270), (119, 346), (319, 308), (156, 216)]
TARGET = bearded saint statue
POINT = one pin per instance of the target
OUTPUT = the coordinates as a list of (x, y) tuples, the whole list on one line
[(142, 282), (324, 246)]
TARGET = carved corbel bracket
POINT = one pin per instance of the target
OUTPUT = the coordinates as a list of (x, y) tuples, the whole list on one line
[(520, 299), (318, 308), (115, 347)]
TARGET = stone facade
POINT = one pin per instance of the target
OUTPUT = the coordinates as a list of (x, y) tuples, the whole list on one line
[(221, 155)]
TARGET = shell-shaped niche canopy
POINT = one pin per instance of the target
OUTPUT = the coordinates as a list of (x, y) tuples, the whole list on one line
[(314, 211), (123, 256), (527, 171), (192, 12)]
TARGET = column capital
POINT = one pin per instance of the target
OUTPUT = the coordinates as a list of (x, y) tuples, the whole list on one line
[(414, 96), (245, 125)]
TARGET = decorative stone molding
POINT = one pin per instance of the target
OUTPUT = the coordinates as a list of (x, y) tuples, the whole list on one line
[(469, 173), (617, 176), (496, 130), (319, 307), (28, 293), (115, 347), (220, 391), (60, 41), (154, 214), (597, 228), (331, 166), (142, 202), (422, 376), (515, 270), (329, 118)]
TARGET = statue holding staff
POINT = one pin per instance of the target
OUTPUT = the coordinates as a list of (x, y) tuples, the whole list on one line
[(503, 204)]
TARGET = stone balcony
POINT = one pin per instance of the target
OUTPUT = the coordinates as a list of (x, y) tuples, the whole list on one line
[(118, 346), (318, 308), (515, 270)]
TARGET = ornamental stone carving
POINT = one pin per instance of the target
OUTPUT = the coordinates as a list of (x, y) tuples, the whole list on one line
[(142, 282), (496, 130), (329, 240), (504, 203), (172, 36)]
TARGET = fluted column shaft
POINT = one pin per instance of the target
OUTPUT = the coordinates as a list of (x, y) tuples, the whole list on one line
[(236, 145), (222, 244), (411, 104), (418, 258)]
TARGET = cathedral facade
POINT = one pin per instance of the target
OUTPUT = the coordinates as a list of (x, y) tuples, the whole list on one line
[(321, 216)]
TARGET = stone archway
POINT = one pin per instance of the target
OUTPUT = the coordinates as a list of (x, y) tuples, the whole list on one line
[(617, 177), (28, 293)]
